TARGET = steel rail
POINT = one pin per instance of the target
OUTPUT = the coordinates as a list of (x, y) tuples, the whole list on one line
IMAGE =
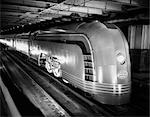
[(52, 108), (91, 106)]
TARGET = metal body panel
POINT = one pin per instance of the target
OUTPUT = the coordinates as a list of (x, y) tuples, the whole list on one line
[(69, 55)]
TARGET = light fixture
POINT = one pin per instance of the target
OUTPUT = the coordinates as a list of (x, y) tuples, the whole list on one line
[(121, 58)]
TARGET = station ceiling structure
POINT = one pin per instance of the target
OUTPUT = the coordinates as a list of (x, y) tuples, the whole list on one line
[(16, 13)]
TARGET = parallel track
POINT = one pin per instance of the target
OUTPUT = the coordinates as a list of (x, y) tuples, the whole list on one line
[(81, 105), (34, 92), (94, 107), (16, 94)]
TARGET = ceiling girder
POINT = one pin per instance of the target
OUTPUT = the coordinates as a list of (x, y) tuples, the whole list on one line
[(6, 13), (31, 3), (77, 9), (143, 3), (97, 4), (15, 12), (53, 1), (22, 8)]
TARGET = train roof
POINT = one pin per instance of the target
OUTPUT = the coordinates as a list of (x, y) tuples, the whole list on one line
[(70, 28)]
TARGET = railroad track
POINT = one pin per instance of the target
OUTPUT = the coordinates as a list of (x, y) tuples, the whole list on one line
[(33, 91), (64, 96), (18, 96), (96, 108)]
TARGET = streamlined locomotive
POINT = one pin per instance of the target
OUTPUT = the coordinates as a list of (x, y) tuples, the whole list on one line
[(91, 56)]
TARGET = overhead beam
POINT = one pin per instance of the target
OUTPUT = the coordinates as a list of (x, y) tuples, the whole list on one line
[(131, 21), (31, 3), (11, 13), (77, 9), (53, 1), (103, 5), (113, 2), (22, 8), (64, 9), (143, 3)]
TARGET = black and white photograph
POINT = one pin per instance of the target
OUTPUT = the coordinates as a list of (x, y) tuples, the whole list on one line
[(74, 58)]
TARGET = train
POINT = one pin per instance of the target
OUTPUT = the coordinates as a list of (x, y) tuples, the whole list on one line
[(92, 56)]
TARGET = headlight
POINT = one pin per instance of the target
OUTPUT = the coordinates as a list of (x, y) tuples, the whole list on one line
[(121, 58)]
